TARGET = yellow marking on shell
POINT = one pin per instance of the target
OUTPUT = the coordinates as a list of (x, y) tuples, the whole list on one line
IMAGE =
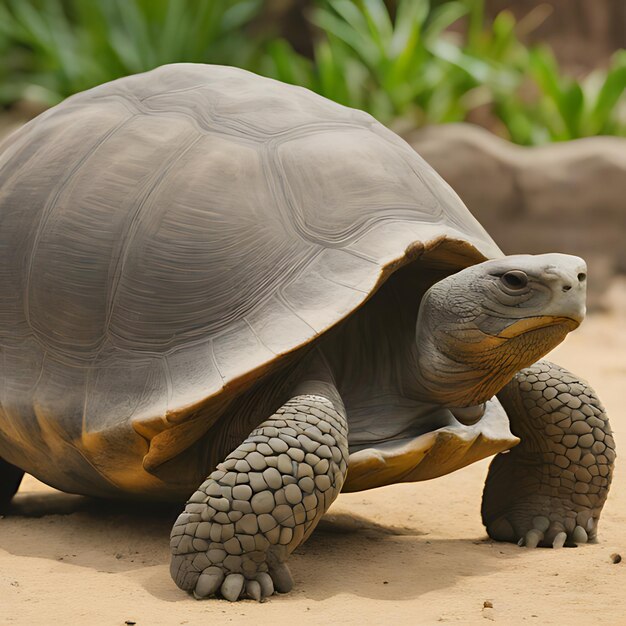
[(431, 455)]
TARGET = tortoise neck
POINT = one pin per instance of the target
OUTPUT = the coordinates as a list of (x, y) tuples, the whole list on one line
[(458, 364)]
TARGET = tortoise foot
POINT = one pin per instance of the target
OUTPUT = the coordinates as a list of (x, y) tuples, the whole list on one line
[(232, 577), (545, 521), (262, 502), (550, 489)]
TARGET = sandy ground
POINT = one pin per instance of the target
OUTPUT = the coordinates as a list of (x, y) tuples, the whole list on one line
[(408, 554)]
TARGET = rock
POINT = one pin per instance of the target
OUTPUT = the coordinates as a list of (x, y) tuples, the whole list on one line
[(563, 196)]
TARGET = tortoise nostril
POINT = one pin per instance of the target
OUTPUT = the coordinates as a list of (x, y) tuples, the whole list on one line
[(566, 287), (582, 277)]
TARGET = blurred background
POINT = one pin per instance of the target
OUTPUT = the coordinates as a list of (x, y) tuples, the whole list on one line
[(520, 105)]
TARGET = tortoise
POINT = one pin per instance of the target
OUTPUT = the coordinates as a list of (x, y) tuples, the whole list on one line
[(224, 290)]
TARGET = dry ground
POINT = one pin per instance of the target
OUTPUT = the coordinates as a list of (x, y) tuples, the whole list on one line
[(409, 554)]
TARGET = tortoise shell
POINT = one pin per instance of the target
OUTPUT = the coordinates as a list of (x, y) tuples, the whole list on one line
[(168, 239)]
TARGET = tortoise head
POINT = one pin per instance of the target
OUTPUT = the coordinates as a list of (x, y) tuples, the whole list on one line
[(477, 327)]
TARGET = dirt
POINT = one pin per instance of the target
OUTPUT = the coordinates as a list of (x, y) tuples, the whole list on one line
[(408, 554)]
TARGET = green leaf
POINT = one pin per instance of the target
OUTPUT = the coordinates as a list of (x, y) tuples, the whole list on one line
[(378, 21), (442, 17), (609, 95), (571, 106), (363, 46)]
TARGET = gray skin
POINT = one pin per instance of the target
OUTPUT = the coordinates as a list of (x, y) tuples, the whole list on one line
[(267, 496)]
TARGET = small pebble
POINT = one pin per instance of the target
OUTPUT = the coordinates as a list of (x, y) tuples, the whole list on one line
[(616, 558)]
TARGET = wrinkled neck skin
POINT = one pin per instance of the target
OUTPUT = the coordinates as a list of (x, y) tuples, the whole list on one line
[(458, 364)]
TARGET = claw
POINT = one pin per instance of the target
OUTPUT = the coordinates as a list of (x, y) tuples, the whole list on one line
[(253, 589), (232, 587), (520, 542), (580, 535), (590, 524), (208, 582), (267, 585), (533, 537), (559, 540), (283, 582)]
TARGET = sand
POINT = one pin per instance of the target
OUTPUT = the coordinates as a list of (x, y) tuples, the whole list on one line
[(406, 554)]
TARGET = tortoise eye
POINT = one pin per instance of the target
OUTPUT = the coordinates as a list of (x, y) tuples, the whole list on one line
[(515, 279)]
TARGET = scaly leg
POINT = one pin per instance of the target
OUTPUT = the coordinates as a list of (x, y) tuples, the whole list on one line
[(264, 500), (550, 489)]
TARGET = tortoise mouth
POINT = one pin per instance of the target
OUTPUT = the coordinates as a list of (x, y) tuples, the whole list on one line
[(530, 324)]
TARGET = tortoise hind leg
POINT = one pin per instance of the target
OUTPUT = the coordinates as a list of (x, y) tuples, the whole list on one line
[(550, 489), (10, 479), (264, 500)]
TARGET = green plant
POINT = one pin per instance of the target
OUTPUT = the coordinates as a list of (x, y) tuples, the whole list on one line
[(368, 60), (564, 108), (410, 67), (406, 66), (76, 44), (542, 104)]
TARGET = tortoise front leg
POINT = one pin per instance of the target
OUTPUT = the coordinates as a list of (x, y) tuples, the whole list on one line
[(264, 500), (10, 479), (550, 489)]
